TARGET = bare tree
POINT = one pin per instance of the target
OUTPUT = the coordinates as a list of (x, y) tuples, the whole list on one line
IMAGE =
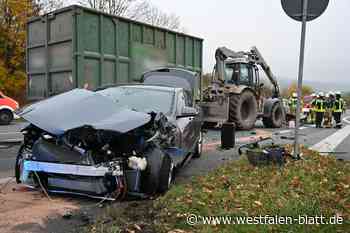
[(116, 7), (141, 10), (46, 6), (148, 13)]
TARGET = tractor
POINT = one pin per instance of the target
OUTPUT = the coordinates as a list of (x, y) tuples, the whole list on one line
[(235, 92)]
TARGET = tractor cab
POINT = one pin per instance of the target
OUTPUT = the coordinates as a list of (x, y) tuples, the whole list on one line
[(241, 73)]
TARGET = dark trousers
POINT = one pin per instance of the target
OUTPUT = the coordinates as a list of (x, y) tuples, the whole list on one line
[(337, 118), (319, 118)]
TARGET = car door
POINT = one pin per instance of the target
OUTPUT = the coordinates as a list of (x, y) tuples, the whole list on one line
[(196, 123), (186, 124)]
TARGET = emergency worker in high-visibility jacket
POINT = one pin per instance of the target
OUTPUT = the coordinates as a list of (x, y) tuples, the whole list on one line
[(312, 114), (320, 108), (338, 108), (292, 102), (328, 116)]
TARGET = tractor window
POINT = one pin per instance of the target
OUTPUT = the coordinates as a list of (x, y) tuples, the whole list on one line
[(229, 73), (244, 73), (253, 76), (232, 73)]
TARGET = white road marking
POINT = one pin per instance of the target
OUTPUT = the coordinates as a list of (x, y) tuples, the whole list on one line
[(330, 143), (290, 130), (347, 120)]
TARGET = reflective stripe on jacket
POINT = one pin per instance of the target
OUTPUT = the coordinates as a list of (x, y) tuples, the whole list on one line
[(293, 102), (338, 105), (320, 105)]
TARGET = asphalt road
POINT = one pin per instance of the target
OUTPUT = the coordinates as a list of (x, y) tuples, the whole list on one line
[(326, 140)]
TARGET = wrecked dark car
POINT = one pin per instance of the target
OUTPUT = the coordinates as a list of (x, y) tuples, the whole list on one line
[(113, 142)]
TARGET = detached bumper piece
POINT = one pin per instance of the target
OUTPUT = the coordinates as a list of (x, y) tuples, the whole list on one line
[(96, 182)]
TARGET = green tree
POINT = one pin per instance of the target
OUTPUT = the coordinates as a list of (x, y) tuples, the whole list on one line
[(306, 90), (206, 79), (13, 18)]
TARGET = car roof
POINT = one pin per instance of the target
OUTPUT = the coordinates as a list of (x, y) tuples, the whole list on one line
[(161, 88), (170, 69), (142, 86)]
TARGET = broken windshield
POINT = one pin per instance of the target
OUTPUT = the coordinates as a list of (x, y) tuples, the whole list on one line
[(141, 99)]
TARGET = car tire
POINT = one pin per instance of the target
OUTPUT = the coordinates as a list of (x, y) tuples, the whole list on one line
[(6, 116), (166, 174), (151, 175), (18, 168), (199, 147)]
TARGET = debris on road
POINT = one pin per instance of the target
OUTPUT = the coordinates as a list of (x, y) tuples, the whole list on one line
[(258, 154), (32, 207)]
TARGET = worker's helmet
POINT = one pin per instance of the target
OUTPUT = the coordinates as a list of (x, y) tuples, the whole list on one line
[(331, 93), (327, 95), (338, 93), (294, 95), (313, 95), (321, 94)]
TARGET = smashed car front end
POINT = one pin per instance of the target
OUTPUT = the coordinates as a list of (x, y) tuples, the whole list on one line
[(104, 158)]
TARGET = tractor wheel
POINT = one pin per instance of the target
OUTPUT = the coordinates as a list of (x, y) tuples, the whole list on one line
[(6, 116), (243, 110), (276, 118)]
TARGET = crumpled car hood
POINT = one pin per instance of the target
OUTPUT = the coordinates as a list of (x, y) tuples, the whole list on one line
[(81, 107)]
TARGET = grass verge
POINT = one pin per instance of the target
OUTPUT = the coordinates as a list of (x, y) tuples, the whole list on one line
[(315, 186)]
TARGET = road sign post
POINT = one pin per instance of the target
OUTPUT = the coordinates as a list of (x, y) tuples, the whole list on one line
[(300, 79), (302, 10)]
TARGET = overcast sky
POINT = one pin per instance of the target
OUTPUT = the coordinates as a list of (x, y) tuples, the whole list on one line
[(239, 24)]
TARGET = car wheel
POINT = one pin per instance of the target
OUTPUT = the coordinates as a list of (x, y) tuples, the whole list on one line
[(166, 174), (6, 116), (18, 164), (154, 164), (199, 147)]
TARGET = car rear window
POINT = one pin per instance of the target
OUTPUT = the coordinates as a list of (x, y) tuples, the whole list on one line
[(141, 99)]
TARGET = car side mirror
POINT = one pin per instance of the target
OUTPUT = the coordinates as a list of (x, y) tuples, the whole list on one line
[(188, 112)]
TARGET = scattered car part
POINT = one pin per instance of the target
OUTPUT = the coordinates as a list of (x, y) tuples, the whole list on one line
[(259, 155)]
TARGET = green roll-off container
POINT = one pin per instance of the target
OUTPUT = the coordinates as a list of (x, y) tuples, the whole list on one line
[(77, 47)]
